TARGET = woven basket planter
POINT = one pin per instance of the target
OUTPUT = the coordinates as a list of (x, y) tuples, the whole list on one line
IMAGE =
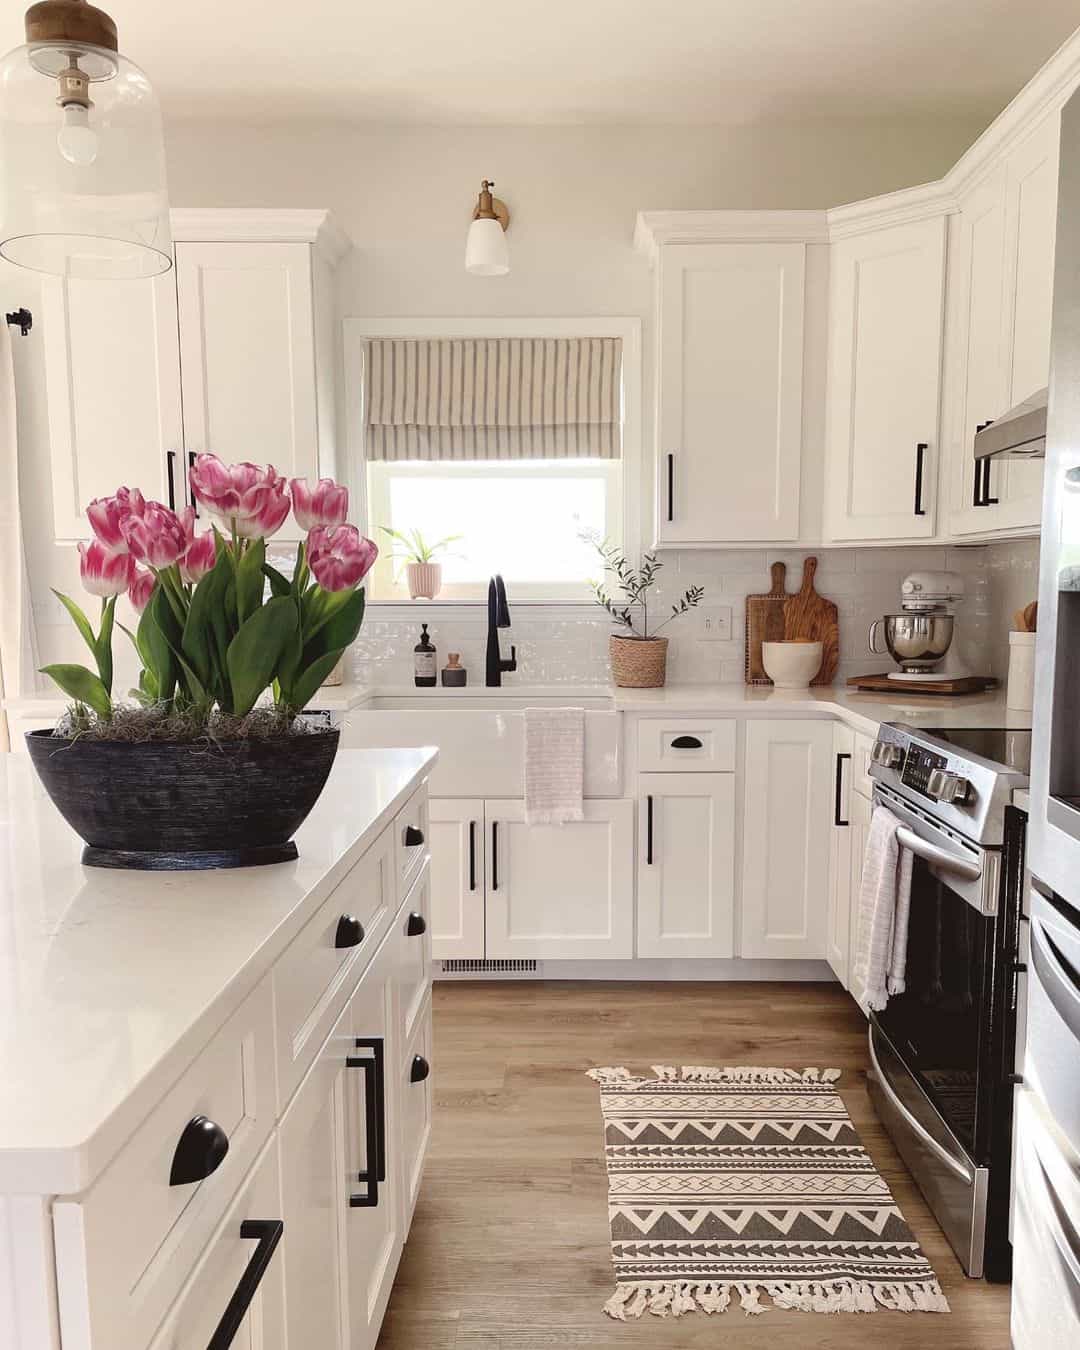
[(424, 580), (638, 663)]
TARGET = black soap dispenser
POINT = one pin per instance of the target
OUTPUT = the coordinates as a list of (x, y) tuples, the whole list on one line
[(425, 673)]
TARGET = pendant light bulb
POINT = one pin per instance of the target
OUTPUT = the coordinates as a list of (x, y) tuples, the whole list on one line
[(77, 140), (486, 254)]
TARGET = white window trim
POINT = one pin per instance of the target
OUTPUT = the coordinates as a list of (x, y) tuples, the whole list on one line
[(357, 330)]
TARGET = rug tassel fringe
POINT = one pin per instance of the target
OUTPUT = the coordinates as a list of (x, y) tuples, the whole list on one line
[(674, 1298), (618, 1076)]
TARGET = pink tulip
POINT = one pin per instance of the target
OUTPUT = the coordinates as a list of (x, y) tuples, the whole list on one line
[(106, 514), (244, 496), (339, 556), (327, 503), (155, 536), (200, 557), (141, 587), (102, 572)]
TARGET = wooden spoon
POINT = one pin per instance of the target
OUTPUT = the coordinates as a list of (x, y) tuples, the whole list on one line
[(1031, 616)]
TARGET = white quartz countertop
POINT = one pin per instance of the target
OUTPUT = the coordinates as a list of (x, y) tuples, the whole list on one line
[(112, 981)]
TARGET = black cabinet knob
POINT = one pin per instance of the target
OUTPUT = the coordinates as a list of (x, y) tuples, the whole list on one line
[(413, 837), (200, 1151), (415, 925), (350, 932), (420, 1069)]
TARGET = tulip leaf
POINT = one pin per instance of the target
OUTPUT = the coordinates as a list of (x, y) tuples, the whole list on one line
[(82, 623), (82, 685), (250, 582), (103, 645), (308, 683), (207, 601), (279, 583), (338, 629), (322, 607), (153, 642), (256, 651)]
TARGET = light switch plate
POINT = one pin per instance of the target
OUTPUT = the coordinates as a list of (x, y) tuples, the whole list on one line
[(714, 623)]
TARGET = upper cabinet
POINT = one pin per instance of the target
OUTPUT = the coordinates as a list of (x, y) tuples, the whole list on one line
[(884, 382), (230, 351)]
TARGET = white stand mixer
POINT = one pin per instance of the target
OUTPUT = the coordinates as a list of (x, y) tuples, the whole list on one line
[(920, 638)]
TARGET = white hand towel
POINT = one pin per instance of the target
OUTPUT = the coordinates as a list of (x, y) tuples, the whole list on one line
[(554, 765), (884, 906)]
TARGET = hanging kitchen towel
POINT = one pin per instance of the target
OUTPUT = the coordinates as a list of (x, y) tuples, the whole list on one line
[(884, 906), (18, 644), (554, 765)]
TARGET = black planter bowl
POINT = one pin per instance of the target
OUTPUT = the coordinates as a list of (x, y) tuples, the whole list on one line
[(170, 806)]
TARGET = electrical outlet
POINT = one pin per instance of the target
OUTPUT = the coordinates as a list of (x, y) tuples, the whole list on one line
[(714, 623)]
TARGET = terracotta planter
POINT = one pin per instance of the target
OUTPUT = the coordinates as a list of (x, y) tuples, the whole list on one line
[(167, 806), (424, 580), (638, 663)]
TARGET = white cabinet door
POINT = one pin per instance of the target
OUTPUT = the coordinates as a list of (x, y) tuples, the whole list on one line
[(560, 891), (457, 877), (730, 392), (112, 371), (860, 827), (884, 382), (838, 923), (247, 350), (686, 864), (787, 810)]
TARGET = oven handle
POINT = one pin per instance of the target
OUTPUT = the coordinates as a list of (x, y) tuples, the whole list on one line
[(940, 857), (922, 1133)]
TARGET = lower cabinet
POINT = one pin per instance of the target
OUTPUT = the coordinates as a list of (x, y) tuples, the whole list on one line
[(788, 797), (686, 864), (838, 918), (860, 828), (457, 877)]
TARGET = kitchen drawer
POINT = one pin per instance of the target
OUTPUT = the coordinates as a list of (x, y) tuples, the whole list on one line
[(125, 1248), (413, 966), (315, 976), (412, 829), (860, 778), (706, 745), (198, 1311), (416, 1098)]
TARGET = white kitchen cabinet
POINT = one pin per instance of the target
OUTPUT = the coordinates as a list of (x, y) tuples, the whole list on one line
[(787, 811), (859, 814), (838, 919), (457, 877), (686, 864), (560, 891), (729, 419), (884, 382), (415, 1098)]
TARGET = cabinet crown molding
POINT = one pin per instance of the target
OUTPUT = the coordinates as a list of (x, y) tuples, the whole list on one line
[(654, 228), (280, 225)]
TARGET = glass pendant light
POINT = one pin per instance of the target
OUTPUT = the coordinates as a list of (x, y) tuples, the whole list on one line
[(82, 158), (486, 254)]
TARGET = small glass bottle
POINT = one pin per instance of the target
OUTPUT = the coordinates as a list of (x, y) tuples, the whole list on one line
[(454, 674), (425, 671)]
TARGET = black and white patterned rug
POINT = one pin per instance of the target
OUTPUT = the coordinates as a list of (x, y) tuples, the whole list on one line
[(742, 1182)]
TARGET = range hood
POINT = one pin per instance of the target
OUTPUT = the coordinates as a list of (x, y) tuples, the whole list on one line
[(1018, 434)]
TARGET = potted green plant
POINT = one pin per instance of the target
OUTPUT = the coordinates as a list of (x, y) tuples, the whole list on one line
[(423, 575), (209, 764), (638, 655)]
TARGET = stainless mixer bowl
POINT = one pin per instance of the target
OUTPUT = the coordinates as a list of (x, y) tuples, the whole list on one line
[(916, 642)]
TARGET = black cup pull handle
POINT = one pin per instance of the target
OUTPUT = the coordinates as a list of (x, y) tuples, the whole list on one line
[(374, 1071), (686, 743), (415, 925), (920, 465), (419, 1069), (200, 1150), (350, 932), (839, 800), (671, 487), (413, 837), (494, 855), (648, 829), (170, 468), (267, 1232), (472, 855)]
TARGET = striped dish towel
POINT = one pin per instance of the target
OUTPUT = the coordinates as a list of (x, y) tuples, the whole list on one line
[(884, 906), (554, 765)]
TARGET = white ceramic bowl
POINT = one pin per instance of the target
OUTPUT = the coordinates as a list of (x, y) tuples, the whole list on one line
[(791, 665)]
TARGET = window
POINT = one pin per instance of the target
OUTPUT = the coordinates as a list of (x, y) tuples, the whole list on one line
[(516, 441)]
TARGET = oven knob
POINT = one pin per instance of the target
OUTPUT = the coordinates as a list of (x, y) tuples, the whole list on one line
[(948, 787), (888, 755)]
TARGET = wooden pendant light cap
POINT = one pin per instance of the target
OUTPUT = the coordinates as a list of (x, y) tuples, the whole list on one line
[(489, 207), (57, 21)]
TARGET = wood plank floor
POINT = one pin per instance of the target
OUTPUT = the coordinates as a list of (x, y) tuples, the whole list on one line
[(509, 1246)]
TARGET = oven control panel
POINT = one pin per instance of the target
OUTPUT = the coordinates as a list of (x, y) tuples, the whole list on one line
[(919, 765)]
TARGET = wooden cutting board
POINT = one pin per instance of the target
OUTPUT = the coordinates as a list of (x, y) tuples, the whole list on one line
[(764, 623), (809, 615), (962, 684)]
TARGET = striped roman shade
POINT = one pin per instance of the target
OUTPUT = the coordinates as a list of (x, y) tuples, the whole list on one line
[(493, 398)]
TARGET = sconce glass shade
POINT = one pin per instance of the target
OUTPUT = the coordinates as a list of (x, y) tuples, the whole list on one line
[(82, 190), (486, 254)]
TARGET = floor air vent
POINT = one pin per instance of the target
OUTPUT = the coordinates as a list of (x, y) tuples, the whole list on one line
[(472, 967)]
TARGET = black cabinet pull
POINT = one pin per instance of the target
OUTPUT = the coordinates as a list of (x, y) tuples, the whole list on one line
[(841, 756), (170, 461), (976, 496), (415, 925), (268, 1234), (413, 837), (671, 487), (191, 491), (419, 1070), (374, 1071), (987, 500), (686, 743), (648, 829), (350, 932), (472, 855), (494, 855), (920, 464), (200, 1150)]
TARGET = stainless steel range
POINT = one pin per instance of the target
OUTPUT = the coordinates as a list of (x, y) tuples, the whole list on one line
[(942, 1052)]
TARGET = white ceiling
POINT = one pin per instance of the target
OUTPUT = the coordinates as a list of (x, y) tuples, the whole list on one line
[(588, 61)]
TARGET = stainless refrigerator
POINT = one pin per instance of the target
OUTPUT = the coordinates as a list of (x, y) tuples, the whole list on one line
[(1046, 1213)]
